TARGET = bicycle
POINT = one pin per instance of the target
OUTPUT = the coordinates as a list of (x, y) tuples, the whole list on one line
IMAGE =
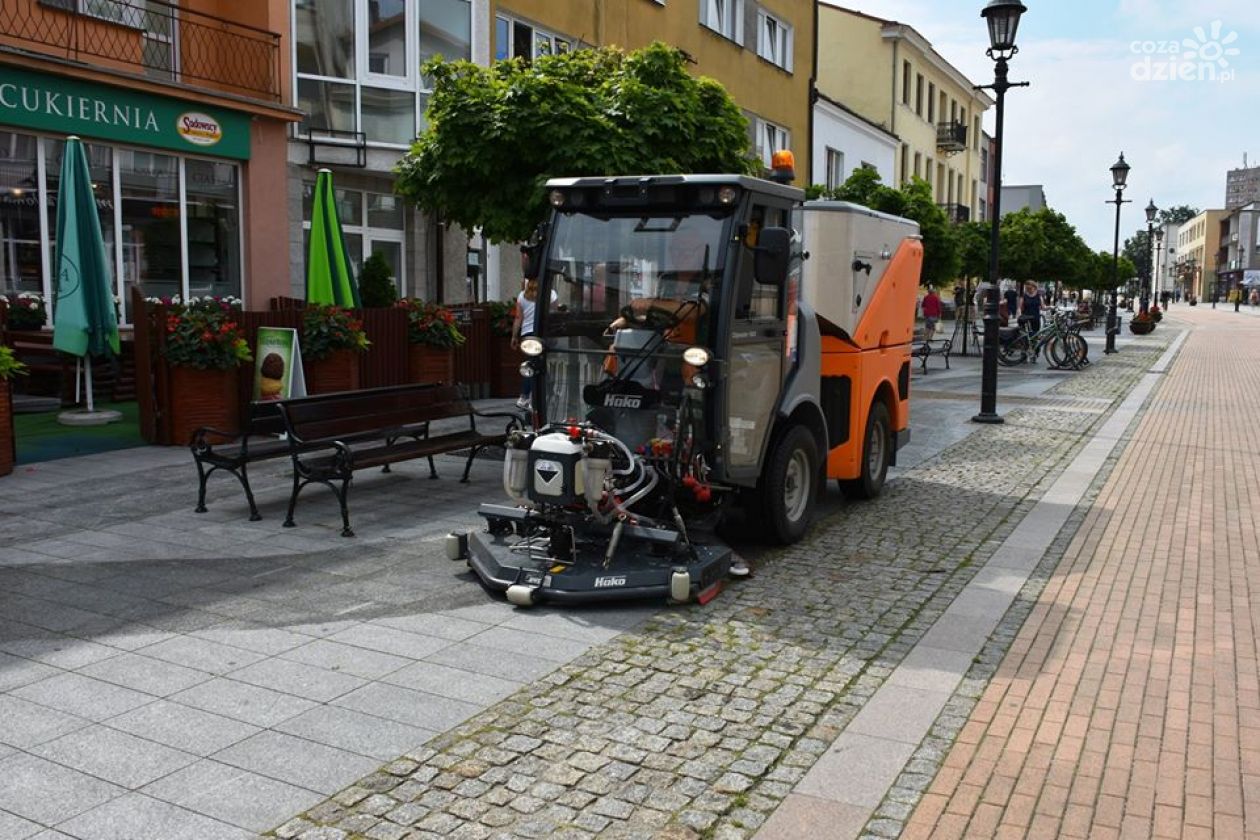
[(1060, 338)]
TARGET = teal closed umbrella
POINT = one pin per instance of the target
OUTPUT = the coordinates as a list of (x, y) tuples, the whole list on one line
[(329, 275), (84, 323)]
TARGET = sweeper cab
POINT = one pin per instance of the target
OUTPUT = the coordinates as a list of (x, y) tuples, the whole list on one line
[(704, 345)]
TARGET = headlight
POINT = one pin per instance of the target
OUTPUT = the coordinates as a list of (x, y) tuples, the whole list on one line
[(557, 198), (700, 381), (727, 195), (531, 346), (696, 356), (527, 369)]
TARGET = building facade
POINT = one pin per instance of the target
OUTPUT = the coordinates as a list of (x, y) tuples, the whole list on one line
[(184, 116), (357, 77), (1023, 197), (1165, 279), (1242, 186), (1239, 248), (1198, 254), (845, 141), (889, 74)]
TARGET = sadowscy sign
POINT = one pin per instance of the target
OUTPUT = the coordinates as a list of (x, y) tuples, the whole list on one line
[(73, 106)]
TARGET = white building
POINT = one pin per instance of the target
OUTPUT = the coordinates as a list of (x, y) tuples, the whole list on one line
[(844, 141)]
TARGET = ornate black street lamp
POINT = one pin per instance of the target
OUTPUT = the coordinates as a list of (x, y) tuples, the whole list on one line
[(1159, 265), (1002, 16), (1148, 288), (1119, 179)]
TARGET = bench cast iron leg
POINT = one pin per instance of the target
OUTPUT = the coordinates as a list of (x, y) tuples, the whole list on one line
[(243, 477), (202, 475), (298, 484), (432, 469), (343, 498), (468, 466)]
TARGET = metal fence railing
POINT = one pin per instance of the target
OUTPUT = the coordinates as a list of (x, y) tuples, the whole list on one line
[(159, 39)]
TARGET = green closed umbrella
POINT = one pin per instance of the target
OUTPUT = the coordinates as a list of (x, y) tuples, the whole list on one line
[(329, 276), (84, 323)]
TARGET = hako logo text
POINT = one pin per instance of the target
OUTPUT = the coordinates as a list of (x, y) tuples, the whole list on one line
[(199, 129), (622, 401)]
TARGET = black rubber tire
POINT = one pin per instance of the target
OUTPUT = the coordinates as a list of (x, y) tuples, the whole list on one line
[(795, 453), (871, 482)]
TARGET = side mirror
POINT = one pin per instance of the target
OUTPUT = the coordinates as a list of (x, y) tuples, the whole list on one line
[(770, 260), (532, 253)]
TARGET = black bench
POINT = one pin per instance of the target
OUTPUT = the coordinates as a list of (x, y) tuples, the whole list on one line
[(921, 350), (388, 426), (258, 442)]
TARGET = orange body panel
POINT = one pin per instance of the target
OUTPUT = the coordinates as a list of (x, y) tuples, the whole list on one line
[(875, 358)]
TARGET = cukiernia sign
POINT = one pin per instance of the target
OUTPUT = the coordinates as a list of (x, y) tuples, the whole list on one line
[(74, 106)]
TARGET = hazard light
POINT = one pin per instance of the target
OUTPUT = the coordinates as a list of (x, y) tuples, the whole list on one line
[(783, 166)]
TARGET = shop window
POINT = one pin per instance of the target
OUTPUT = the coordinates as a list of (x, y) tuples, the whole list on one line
[(100, 168), (149, 187), (214, 237), (20, 261)]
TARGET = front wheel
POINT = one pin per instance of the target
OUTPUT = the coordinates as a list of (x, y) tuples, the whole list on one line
[(788, 485), (876, 455)]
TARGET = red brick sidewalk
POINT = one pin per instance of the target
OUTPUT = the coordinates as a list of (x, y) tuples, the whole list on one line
[(1129, 704)]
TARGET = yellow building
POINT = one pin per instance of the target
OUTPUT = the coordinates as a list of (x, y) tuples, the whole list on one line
[(1197, 256), (889, 74), (760, 50)]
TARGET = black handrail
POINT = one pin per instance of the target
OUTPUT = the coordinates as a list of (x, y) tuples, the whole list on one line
[(158, 38)]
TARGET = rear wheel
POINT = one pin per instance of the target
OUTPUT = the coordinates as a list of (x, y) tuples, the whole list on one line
[(1013, 352), (789, 483), (876, 455)]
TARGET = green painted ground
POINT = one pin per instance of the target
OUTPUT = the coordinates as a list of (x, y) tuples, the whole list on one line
[(41, 438)]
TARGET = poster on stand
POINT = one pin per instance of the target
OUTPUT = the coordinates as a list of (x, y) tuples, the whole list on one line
[(278, 365)]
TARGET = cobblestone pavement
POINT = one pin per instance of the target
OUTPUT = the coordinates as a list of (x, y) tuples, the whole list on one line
[(699, 723), (1128, 703)]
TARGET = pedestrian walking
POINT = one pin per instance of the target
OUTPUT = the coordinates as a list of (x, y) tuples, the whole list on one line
[(931, 313)]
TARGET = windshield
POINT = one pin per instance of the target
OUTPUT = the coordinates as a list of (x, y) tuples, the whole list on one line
[(629, 294)]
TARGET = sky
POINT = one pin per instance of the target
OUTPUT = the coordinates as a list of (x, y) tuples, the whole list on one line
[(1100, 85)]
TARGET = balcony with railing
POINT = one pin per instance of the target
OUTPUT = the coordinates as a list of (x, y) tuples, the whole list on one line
[(951, 137), (161, 40), (957, 213)]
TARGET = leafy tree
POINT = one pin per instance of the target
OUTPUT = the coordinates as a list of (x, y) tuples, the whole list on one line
[(973, 248), (1180, 214), (1137, 250), (376, 285), (496, 134)]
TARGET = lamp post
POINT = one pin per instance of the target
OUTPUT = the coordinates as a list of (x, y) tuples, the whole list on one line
[(1119, 180), (1148, 288), (1002, 17), (1159, 264)]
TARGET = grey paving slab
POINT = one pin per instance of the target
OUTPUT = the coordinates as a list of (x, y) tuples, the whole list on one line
[(856, 770), (183, 727), (131, 636), (389, 640), (356, 732), (414, 708), (346, 659), (434, 624), (50, 834), (82, 696), (931, 669), (309, 681), (17, 671), (453, 682), (229, 794), (961, 633), (135, 816), (47, 793), (61, 651), (297, 761), (979, 602), (899, 713), (144, 673), (114, 756), (202, 654), (256, 637), (519, 667), (512, 641), (586, 626), (244, 702), (802, 816), (15, 828)]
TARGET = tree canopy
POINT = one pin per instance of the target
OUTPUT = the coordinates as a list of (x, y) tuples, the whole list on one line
[(496, 134), (1180, 214)]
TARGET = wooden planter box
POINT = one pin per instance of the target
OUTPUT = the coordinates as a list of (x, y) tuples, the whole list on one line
[(339, 371), (426, 363), (203, 398), (505, 374), (8, 443)]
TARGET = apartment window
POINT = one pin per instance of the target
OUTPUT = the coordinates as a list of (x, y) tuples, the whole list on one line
[(984, 210), (918, 94), (517, 39), (725, 17), (905, 163), (984, 163), (931, 102), (770, 139), (835, 168), (976, 139), (918, 163), (358, 62), (905, 83), (774, 40)]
